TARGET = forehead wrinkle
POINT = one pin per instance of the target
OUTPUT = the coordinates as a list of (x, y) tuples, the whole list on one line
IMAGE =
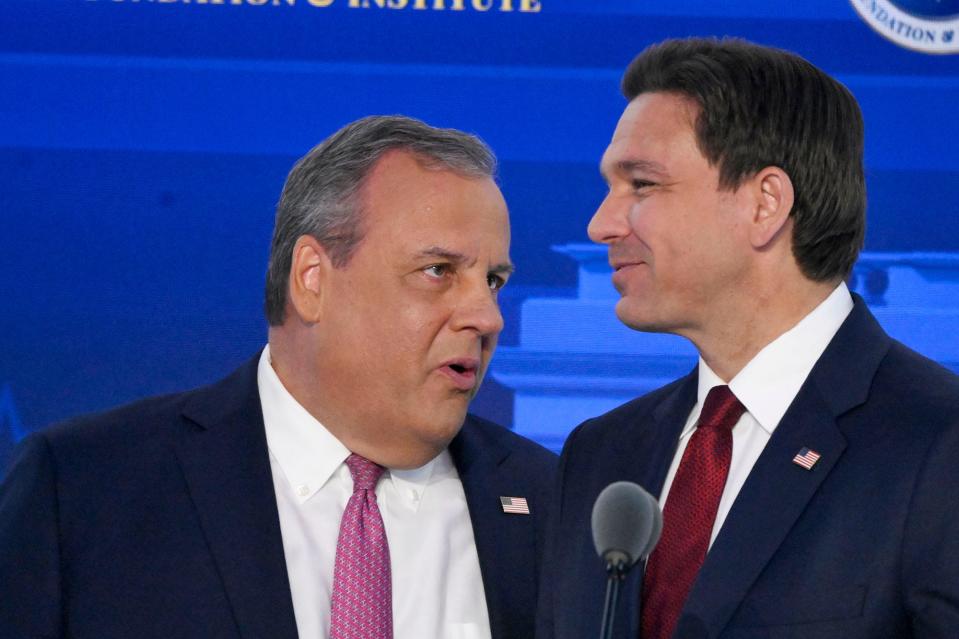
[(444, 253), (629, 165), (646, 166)]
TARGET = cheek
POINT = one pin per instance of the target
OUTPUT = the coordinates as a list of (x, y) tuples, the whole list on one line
[(637, 218), (416, 315), (413, 330), (647, 225)]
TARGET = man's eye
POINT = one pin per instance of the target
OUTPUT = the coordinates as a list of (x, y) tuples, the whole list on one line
[(437, 270), (495, 282), (639, 185)]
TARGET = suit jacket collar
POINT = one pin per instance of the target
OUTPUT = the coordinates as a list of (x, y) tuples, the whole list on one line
[(860, 345), (669, 417), (223, 454), (777, 490), (478, 455)]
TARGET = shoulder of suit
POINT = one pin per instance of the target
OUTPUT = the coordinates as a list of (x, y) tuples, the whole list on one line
[(917, 384), (134, 420), (133, 424), (492, 432), (627, 414)]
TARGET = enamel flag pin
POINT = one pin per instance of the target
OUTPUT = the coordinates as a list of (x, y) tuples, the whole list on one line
[(806, 458), (515, 505)]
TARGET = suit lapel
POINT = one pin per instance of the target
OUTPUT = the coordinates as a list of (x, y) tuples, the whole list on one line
[(778, 490), (669, 417), (502, 554), (770, 502), (223, 455)]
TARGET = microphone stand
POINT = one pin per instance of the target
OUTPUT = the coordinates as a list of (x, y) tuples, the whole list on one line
[(616, 569)]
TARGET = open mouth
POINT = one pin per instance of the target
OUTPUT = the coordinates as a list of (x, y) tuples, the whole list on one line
[(461, 372)]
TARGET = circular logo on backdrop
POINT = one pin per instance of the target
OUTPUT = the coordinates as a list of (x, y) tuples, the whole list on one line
[(929, 26)]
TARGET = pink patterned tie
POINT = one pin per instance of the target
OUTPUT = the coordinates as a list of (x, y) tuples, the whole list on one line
[(362, 606)]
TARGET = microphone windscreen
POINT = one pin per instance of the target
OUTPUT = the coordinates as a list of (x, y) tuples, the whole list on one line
[(657, 527), (626, 522)]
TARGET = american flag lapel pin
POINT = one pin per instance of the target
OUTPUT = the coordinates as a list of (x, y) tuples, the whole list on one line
[(806, 458), (514, 505)]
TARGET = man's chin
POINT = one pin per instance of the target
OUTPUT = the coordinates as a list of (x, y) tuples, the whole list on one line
[(639, 317), (429, 442), (446, 422)]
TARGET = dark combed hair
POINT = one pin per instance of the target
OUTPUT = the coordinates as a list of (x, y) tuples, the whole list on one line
[(321, 197), (760, 107)]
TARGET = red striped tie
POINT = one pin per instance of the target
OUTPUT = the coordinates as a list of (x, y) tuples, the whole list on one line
[(689, 514)]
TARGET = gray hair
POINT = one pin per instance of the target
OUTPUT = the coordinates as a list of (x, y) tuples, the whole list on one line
[(321, 197)]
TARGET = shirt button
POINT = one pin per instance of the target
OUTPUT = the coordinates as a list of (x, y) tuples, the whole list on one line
[(415, 496), (303, 490)]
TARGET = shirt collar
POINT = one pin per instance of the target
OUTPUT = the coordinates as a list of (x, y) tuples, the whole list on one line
[(770, 381), (309, 454), (306, 451), (410, 484)]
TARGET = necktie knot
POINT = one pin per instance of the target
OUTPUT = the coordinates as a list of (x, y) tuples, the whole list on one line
[(721, 410), (361, 604), (365, 473)]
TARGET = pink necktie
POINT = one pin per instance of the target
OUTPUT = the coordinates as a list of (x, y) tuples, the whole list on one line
[(362, 605), (689, 514)]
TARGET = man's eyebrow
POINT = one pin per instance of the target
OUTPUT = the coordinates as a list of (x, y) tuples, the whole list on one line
[(458, 258), (625, 167), (442, 253)]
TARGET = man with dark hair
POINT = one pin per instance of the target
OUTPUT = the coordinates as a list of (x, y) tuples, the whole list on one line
[(806, 466), (334, 485)]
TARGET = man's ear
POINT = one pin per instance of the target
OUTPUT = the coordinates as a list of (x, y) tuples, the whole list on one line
[(309, 271), (772, 193)]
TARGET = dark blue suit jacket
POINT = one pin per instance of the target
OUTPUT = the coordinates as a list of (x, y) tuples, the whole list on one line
[(864, 545), (159, 520)]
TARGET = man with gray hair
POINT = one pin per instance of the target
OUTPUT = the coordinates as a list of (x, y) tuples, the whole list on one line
[(333, 486)]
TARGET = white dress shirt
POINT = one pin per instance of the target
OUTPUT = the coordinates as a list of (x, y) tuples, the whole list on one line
[(437, 585), (766, 386)]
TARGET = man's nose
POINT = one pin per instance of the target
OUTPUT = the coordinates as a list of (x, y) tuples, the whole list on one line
[(609, 222), (478, 310)]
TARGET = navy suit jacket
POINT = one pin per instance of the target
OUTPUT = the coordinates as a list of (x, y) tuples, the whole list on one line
[(159, 519), (864, 545)]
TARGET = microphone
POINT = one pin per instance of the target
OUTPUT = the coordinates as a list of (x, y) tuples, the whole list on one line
[(626, 525)]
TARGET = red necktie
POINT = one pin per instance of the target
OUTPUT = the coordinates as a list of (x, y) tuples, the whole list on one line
[(362, 602), (689, 514)]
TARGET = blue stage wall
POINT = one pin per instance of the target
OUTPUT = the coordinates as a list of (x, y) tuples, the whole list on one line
[(143, 146)]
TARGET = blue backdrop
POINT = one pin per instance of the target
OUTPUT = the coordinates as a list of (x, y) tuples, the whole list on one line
[(143, 145)]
